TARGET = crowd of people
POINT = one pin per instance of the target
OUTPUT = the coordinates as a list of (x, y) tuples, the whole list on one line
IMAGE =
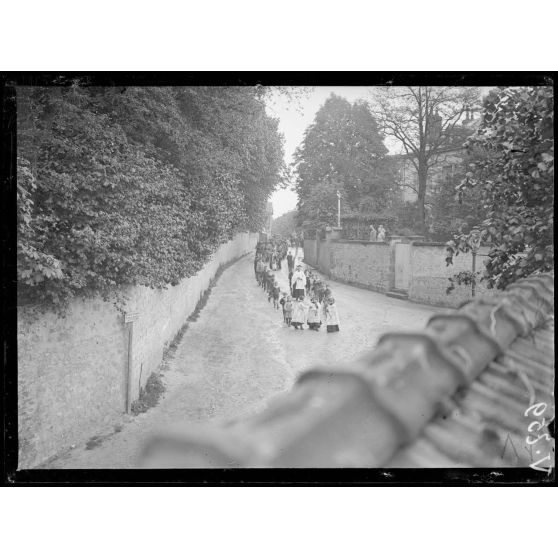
[(309, 300)]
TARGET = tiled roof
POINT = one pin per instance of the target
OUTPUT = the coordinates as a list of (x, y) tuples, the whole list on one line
[(471, 389)]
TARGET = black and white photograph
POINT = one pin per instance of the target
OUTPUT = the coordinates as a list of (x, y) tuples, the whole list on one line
[(250, 275), (277, 279)]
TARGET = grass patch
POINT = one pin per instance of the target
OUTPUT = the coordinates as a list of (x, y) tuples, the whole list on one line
[(150, 395)]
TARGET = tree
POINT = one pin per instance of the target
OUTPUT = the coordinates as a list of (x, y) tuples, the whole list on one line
[(285, 224), (137, 185), (425, 121), (343, 147), (319, 208), (513, 175), (453, 210)]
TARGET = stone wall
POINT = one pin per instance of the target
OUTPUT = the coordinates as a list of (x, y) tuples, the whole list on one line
[(372, 265), (72, 370), (430, 274), (366, 264), (310, 251)]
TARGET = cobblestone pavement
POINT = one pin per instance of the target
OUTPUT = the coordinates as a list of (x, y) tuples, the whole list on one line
[(239, 354)]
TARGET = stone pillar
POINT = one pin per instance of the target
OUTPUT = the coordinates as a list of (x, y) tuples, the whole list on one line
[(332, 233), (393, 240), (336, 233)]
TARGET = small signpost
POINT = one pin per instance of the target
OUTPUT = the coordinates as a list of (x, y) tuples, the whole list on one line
[(338, 209), (130, 318), (474, 243)]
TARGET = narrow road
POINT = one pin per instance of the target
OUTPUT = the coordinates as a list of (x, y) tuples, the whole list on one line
[(239, 354)]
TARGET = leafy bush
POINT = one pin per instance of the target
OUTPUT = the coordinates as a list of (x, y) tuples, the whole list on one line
[(136, 186), (513, 177)]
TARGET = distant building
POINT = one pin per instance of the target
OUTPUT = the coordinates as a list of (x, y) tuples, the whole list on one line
[(449, 161)]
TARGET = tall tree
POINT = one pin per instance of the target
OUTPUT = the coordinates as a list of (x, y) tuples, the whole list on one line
[(512, 175), (343, 146), (425, 121)]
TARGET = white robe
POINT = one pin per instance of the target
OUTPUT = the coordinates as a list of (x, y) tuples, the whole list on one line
[(299, 312), (299, 280), (332, 317), (314, 314)]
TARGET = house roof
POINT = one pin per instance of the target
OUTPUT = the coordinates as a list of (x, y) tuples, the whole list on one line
[(464, 391)]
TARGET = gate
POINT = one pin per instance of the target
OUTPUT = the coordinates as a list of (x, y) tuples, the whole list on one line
[(402, 266)]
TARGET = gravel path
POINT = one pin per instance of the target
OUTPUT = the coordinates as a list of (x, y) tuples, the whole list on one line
[(239, 354)]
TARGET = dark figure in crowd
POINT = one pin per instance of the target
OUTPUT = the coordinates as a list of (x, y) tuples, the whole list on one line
[(282, 301), (290, 262), (319, 290), (291, 282), (269, 282), (256, 260), (288, 310), (275, 291), (259, 271)]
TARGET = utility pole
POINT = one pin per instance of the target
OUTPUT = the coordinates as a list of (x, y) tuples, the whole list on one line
[(338, 209), (474, 243), (130, 318)]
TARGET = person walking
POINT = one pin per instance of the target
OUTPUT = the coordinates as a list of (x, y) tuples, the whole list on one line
[(381, 233), (288, 310), (319, 289), (259, 271), (275, 291), (314, 321), (308, 284), (290, 262), (270, 283), (256, 260), (299, 282), (332, 316), (299, 313), (268, 280), (291, 286), (282, 301)]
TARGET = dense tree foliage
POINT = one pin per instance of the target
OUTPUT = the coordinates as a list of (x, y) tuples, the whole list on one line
[(513, 177), (342, 150), (454, 211), (285, 224), (136, 185)]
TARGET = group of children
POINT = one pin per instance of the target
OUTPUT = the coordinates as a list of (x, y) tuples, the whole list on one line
[(309, 302)]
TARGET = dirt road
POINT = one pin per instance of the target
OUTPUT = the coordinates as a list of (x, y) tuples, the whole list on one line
[(239, 354)]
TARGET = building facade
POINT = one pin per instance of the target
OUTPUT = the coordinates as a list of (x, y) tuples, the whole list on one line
[(450, 161)]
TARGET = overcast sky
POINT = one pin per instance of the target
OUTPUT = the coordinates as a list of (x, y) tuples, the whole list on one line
[(295, 116)]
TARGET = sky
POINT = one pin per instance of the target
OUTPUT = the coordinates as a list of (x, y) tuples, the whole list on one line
[(295, 116)]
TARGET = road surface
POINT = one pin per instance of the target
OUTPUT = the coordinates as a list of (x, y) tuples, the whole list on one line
[(239, 354)]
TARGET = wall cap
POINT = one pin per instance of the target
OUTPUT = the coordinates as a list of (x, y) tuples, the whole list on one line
[(349, 241)]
